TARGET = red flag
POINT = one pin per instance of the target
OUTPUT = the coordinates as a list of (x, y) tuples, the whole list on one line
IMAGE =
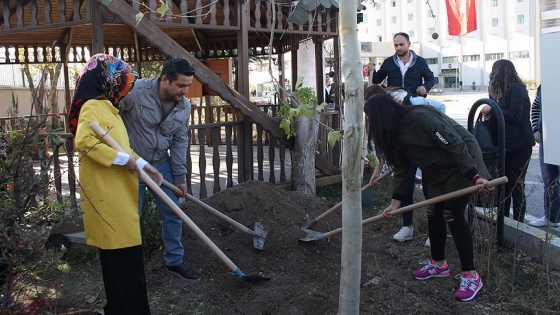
[(461, 16)]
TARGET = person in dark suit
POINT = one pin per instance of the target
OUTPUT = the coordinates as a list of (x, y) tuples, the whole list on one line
[(330, 90)]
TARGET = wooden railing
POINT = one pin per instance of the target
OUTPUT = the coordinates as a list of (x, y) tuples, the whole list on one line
[(213, 157), (221, 150)]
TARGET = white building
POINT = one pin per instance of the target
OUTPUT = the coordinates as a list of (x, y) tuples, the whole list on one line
[(507, 29)]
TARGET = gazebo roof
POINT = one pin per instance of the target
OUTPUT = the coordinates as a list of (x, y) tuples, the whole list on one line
[(206, 28)]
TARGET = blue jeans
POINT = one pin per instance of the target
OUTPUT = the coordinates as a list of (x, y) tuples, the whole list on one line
[(550, 174), (171, 224)]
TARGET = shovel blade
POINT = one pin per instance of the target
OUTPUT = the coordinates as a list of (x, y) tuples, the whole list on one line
[(250, 278), (260, 232), (311, 236)]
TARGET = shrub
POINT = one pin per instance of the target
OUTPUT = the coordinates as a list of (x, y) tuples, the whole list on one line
[(27, 209)]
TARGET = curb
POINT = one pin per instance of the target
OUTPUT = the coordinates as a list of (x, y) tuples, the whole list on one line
[(543, 244)]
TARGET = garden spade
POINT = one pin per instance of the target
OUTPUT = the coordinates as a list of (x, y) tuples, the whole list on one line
[(316, 236), (190, 224), (259, 234), (310, 223)]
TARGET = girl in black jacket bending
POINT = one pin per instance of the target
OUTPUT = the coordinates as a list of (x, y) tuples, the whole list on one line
[(450, 158)]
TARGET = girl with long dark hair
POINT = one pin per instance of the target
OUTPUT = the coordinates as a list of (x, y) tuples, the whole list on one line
[(507, 89), (450, 158)]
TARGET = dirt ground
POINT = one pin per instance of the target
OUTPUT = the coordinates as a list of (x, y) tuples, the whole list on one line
[(304, 277)]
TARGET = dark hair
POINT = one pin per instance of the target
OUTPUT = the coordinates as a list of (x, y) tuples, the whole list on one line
[(503, 75), (331, 74), (176, 66), (403, 34), (384, 115), (373, 90)]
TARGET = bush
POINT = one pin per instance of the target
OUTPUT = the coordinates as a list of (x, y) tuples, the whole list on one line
[(26, 212), (151, 226)]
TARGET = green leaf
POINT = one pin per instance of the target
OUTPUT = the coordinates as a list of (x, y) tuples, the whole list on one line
[(321, 107), (326, 3), (372, 159), (306, 110), (106, 2), (139, 16), (308, 5), (333, 137), (335, 3), (299, 83), (285, 124), (163, 8), (299, 16)]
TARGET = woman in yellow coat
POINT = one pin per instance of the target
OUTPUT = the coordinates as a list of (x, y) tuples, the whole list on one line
[(109, 183)]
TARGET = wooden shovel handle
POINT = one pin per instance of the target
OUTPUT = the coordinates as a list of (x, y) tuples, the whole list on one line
[(212, 210), (444, 197), (150, 182), (338, 205)]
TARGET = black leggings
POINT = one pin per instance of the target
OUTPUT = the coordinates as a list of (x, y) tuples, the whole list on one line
[(452, 213), (515, 169), (124, 280)]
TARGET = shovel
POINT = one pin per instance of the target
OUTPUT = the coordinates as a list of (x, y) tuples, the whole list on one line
[(310, 223), (150, 182), (259, 234), (316, 236)]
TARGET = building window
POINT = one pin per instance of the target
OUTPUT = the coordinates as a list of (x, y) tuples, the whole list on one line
[(411, 33), (393, 19), (408, 1), (550, 23), (495, 22), (519, 54), (494, 3), (467, 58), (410, 16), (379, 38), (489, 57), (431, 61), (378, 22), (519, 0), (394, 3), (452, 59), (430, 14), (521, 19), (364, 17), (378, 6)]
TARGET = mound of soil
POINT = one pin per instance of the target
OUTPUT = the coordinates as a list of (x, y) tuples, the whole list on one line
[(304, 277)]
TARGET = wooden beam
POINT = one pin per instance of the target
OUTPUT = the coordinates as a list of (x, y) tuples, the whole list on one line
[(67, 96), (96, 28), (246, 156), (204, 75), (319, 75), (138, 54)]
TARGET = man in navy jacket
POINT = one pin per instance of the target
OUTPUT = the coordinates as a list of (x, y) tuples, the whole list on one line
[(404, 68)]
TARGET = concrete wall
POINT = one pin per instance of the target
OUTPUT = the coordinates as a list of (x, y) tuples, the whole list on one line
[(23, 96)]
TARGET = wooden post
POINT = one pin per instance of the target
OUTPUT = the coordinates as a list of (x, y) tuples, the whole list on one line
[(319, 75), (245, 139), (96, 28)]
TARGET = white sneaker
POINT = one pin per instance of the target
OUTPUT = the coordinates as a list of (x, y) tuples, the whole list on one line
[(405, 234), (427, 243), (542, 222)]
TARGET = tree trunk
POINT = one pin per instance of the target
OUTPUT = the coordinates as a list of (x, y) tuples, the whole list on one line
[(349, 295), (303, 171), (52, 96)]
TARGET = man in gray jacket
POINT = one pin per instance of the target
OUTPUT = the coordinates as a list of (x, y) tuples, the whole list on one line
[(156, 115)]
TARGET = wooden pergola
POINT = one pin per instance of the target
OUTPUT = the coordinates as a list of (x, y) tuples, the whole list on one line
[(67, 31)]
